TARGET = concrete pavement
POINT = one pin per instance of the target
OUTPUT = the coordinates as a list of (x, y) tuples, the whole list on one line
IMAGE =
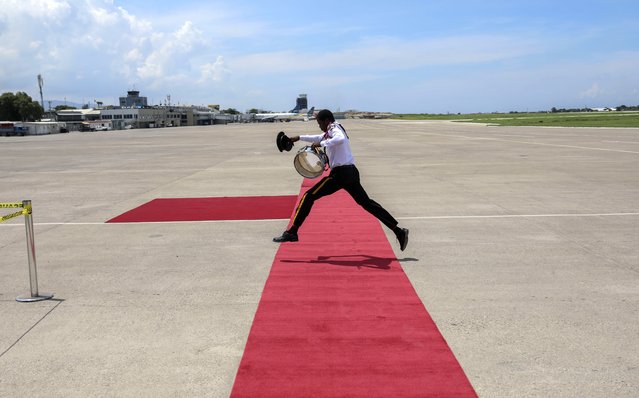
[(523, 250)]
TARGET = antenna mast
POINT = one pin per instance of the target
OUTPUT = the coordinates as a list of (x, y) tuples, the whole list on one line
[(41, 83)]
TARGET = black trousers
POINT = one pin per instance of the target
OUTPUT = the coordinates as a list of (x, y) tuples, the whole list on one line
[(347, 178)]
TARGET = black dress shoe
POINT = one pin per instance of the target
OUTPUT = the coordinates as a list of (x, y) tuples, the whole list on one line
[(402, 237), (286, 237)]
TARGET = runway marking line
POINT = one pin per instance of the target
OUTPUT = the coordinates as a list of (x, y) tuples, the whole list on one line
[(445, 217)]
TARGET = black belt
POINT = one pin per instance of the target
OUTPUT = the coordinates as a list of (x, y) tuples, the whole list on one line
[(346, 166)]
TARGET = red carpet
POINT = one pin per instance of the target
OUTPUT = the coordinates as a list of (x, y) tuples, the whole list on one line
[(339, 318), (206, 209)]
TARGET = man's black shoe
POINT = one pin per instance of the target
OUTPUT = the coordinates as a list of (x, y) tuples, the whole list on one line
[(286, 237), (402, 237)]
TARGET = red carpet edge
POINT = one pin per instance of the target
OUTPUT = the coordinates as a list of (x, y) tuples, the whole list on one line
[(338, 317)]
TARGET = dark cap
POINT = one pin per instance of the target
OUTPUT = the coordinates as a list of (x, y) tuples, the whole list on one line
[(283, 142)]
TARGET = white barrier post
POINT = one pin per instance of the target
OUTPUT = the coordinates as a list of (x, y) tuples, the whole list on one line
[(33, 272)]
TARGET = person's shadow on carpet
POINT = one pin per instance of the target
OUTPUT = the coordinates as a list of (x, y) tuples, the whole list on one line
[(354, 260)]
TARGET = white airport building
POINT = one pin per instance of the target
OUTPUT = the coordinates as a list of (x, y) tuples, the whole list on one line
[(136, 114)]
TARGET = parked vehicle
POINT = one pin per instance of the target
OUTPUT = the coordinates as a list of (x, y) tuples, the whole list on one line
[(9, 129)]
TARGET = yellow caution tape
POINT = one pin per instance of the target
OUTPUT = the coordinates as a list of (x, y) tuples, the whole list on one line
[(16, 214), (10, 205), (24, 212)]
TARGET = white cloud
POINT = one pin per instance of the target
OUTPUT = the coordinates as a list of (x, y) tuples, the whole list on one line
[(103, 17), (136, 25), (390, 54), (52, 11), (593, 92), (133, 56), (83, 38), (169, 53), (216, 71)]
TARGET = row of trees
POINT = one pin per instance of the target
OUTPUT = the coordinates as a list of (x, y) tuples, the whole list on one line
[(628, 108), (620, 108), (19, 106)]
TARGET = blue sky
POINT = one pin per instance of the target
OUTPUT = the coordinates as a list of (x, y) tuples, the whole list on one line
[(400, 56)]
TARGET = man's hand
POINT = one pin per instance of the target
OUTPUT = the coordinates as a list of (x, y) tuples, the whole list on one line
[(315, 145)]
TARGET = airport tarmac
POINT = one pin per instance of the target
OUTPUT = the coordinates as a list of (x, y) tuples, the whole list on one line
[(523, 249)]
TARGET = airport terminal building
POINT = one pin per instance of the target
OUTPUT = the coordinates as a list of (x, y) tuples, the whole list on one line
[(134, 113)]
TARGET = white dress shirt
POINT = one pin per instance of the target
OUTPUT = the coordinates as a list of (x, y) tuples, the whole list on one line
[(337, 145)]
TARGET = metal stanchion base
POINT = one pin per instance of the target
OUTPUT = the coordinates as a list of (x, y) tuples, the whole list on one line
[(28, 298)]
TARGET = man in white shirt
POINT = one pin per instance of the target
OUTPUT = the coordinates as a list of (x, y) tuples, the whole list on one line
[(343, 175)]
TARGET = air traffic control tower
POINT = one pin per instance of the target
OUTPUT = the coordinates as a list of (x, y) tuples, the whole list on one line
[(133, 100), (302, 102)]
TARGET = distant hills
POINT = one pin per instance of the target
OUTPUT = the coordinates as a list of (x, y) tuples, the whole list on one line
[(55, 103)]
